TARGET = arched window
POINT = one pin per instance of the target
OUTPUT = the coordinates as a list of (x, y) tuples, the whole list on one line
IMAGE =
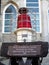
[(9, 19), (34, 12)]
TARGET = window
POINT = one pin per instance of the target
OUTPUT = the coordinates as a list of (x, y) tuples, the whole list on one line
[(33, 5), (32, 0), (24, 35), (33, 8), (10, 19)]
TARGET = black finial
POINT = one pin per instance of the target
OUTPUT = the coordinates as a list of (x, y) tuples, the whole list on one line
[(23, 10)]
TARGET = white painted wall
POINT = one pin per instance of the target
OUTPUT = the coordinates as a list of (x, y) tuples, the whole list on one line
[(21, 3), (44, 8)]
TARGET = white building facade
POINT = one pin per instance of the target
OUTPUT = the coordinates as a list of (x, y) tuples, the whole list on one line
[(39, 14)]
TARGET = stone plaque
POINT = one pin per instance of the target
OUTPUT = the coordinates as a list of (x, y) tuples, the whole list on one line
[(24, 50)]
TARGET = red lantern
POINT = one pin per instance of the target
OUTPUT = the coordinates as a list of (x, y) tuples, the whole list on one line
[(23, 19)]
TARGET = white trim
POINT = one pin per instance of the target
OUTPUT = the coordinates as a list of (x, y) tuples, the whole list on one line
[(4, 14), (48, 20), (36, 19), (32, 2), (32, 7), (32, 13), (40, 17), (25, 2)]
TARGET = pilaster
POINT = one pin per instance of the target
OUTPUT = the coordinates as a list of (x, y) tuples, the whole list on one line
[(44, 9)]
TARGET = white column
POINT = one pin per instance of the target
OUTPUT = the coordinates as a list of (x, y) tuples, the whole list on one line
[(44, 20), (48, 21)]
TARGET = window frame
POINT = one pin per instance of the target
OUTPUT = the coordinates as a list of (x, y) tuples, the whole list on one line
[(4, 16), (39, 6)]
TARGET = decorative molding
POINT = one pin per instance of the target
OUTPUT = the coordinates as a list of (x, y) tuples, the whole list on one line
[(12, 2)]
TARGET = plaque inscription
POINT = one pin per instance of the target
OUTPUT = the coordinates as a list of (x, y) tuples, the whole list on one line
[(24, 50)]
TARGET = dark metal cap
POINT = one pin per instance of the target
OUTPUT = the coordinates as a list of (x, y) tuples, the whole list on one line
[(23, 10)]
